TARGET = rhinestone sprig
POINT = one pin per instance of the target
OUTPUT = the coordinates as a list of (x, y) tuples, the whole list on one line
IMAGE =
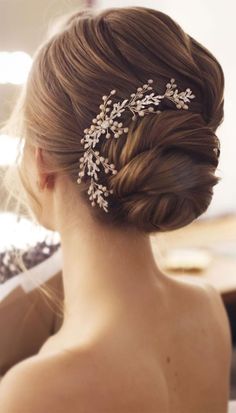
[(105, 123)]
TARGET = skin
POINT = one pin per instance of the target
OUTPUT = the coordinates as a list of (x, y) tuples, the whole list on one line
[(133, 339)]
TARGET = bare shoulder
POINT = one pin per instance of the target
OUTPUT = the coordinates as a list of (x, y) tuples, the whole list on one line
[(207, 304), (21, 387), (46, 383), (16, 388), (205, 336), (220, 322), (31, 386)]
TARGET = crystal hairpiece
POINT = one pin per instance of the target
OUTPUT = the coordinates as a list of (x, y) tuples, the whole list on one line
[(105, 123)]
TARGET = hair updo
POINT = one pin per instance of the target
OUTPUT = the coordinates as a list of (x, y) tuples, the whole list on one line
[(166, 163)]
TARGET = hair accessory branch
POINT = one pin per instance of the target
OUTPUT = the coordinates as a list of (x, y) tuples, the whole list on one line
[(105, 123)]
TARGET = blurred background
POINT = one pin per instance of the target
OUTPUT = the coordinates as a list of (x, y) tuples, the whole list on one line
[(206, 248)]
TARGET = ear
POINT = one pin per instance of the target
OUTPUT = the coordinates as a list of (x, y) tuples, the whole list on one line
[(45, 180)]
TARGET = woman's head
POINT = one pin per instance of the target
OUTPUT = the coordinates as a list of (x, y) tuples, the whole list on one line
[(166, 163)]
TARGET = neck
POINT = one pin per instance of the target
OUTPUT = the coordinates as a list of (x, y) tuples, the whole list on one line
[(104, 272)]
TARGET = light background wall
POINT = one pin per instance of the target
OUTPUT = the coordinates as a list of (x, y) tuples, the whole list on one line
[(23, 24)]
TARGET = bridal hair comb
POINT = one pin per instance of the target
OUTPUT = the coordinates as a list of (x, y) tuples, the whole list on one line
[(105, 123)]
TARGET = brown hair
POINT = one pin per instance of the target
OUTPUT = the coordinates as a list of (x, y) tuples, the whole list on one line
[(166, 163)]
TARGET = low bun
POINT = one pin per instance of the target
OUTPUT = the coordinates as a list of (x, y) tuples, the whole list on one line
[(166, 172)]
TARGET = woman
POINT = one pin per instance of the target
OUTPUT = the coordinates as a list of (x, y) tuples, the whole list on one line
[(132, 339)]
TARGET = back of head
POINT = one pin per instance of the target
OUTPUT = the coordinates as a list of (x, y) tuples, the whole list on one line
[(166, 163)]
